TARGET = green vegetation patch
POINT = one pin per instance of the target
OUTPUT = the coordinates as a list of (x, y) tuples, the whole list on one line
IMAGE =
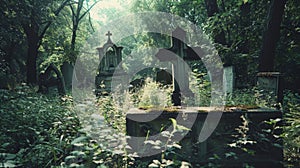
[(36, 130)]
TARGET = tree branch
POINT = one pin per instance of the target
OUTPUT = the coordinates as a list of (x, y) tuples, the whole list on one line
[(56, 13), (90, 21), (88, 10)]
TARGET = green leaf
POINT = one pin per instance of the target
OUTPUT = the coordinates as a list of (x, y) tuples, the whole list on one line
[(102, 166), (185, 164), (174, 122), (277, 145), (8, 156), (78, 153), (176, 145), (70, 157), (79, 139), (9, 164), (157, 162), (153, 165), (182, 128), (5, 145)]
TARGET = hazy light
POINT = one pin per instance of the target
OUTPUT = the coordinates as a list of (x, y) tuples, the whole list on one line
[(105, 5)]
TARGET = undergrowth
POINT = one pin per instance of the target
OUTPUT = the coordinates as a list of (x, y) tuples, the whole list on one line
[(36, 130), (44, 131)]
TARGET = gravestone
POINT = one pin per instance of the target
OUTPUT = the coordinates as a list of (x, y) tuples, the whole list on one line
[(136, 84), (67, 72), (47, 80), (177, 54), (228, 79), (110, 56), (164, 77), (270, 83)]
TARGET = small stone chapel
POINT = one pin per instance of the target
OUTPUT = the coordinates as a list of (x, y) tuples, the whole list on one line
[(110, 56)]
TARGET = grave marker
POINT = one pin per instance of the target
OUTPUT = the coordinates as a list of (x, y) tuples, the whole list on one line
[(270, 83), (177, 55), (228, 79), (110, 56), (47, 80), (164, 77)]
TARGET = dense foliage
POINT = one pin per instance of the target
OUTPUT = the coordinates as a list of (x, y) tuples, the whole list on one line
[(36, 130), (35, 34), (291, 130), (44, 131), (237, 28)]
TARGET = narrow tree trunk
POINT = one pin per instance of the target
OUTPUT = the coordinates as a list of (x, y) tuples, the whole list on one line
[(271, 36), (219, 37), (32, 53), (245, 22), (212, 9), (243, 47), (31, 62), (73, 43)]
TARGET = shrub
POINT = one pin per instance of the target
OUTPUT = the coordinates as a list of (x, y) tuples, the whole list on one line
[(154, 95), (36, 130), (291, 107)]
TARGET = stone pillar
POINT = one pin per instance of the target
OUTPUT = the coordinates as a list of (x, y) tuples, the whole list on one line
[(228, 79)]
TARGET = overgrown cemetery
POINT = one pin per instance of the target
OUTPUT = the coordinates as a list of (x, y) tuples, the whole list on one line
[(187, 84)]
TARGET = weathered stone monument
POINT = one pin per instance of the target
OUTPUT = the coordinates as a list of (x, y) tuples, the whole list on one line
[(177, 55), (110, 56), (164, 77), (67, 72), (265, 153), (228, 79), (47, 80), (270, 83)]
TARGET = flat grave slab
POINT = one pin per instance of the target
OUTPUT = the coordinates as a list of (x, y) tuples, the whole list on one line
[(263, 151)]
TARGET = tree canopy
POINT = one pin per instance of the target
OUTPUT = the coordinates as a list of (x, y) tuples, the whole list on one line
[(251, 35)]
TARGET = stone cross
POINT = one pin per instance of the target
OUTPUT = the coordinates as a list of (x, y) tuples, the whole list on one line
[(177, 55), (108, 34)]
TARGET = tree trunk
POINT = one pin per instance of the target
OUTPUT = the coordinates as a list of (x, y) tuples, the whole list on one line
[(73, 43), (219, 37), (245, 22), (212, 9), (271, 36), (31, 29), (244, 47), (32, 53)]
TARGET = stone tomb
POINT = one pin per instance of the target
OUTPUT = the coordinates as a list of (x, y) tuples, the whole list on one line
[(263, 147), (110, 56)]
